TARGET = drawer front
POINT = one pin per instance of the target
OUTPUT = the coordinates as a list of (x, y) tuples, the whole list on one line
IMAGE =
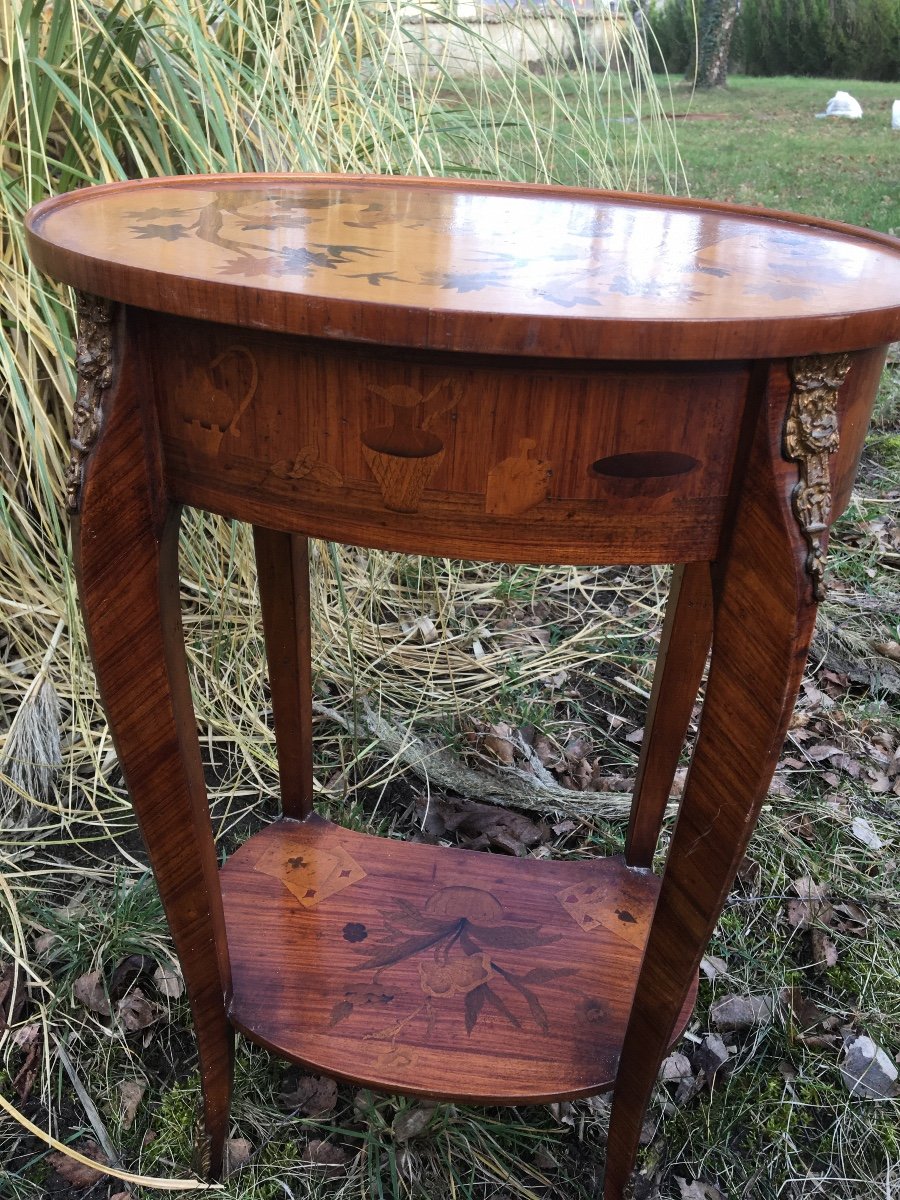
[(447, 454)]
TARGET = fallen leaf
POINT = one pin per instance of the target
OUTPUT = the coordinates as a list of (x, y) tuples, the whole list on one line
[(45, 942), (824, 951), (497, 740), (741, 1012), (822, 751), (807, 1015), (710, 1056), (482, 826), (713, 967), (867, 1070), (325, 1154), (802, 825), (675, 1068), (131, 1093), (863, 832), (89, 991), (547, 751), (698, 1190), (128, 972), (812, 905), (237, 1155), (135, 1011), (168, 982), (26, 1036), (410, 1122), (78, 1174), (850, 918), (313, 1095)]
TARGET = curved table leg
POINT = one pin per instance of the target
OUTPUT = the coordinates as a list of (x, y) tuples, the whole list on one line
[(686, 635), (763, 618), (126, 550), (282, 566)]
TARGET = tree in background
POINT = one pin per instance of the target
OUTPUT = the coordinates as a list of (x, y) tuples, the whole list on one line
[(717, 18)]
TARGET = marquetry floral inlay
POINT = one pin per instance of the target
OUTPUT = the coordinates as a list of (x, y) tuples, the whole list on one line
[(462, 940)]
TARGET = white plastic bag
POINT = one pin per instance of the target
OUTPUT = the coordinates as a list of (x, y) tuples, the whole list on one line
[(842, 104), (895, 115)]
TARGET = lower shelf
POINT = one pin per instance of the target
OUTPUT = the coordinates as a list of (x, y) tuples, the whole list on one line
[(435, 972)]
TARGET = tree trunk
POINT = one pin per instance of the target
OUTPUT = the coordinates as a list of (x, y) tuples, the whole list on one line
[(717, 19)]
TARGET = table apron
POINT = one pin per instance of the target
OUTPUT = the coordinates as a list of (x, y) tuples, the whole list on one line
[(470, 456)]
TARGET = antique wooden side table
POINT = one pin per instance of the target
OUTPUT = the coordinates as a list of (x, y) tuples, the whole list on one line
[(523, 374)]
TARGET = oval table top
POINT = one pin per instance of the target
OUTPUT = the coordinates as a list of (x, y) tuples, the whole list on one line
[(476, 267)]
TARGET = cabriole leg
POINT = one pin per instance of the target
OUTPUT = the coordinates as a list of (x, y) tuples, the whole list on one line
[(126, 550), (763, 617)]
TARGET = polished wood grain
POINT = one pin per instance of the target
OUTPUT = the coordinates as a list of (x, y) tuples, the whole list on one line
[(126, 560), (683, 649), (509, 373), (763, 615), (482, 267), (282, 568), (435, 972), (424, 453)]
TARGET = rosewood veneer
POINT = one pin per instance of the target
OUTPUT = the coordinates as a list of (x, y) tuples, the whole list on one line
[(521, 374)]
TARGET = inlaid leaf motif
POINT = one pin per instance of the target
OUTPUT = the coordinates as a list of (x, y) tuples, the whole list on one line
[(474, 1003), (512, 937), (454, 937)]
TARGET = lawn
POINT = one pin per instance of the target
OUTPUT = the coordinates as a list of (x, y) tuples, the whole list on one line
[(810, 935), (758, 142)]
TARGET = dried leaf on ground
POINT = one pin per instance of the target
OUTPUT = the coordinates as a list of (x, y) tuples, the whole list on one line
[(823, 951), (27, 1038), (888, 649), (168, 982), (325, 1154), (313, 1095), (867, 1070), (237, 1155), (131, 1093), (811, 906), (482, 826), (675, 1068), (563, 1112), (135, 1011), (848, 917), (813, 1026), (864, 833), (713, 967), (741, 1012), (128, 972), (44, 944), (78, 1174), (412, 1121), (89, 991), (710, 1057), (696, 1189), (498, 740)]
